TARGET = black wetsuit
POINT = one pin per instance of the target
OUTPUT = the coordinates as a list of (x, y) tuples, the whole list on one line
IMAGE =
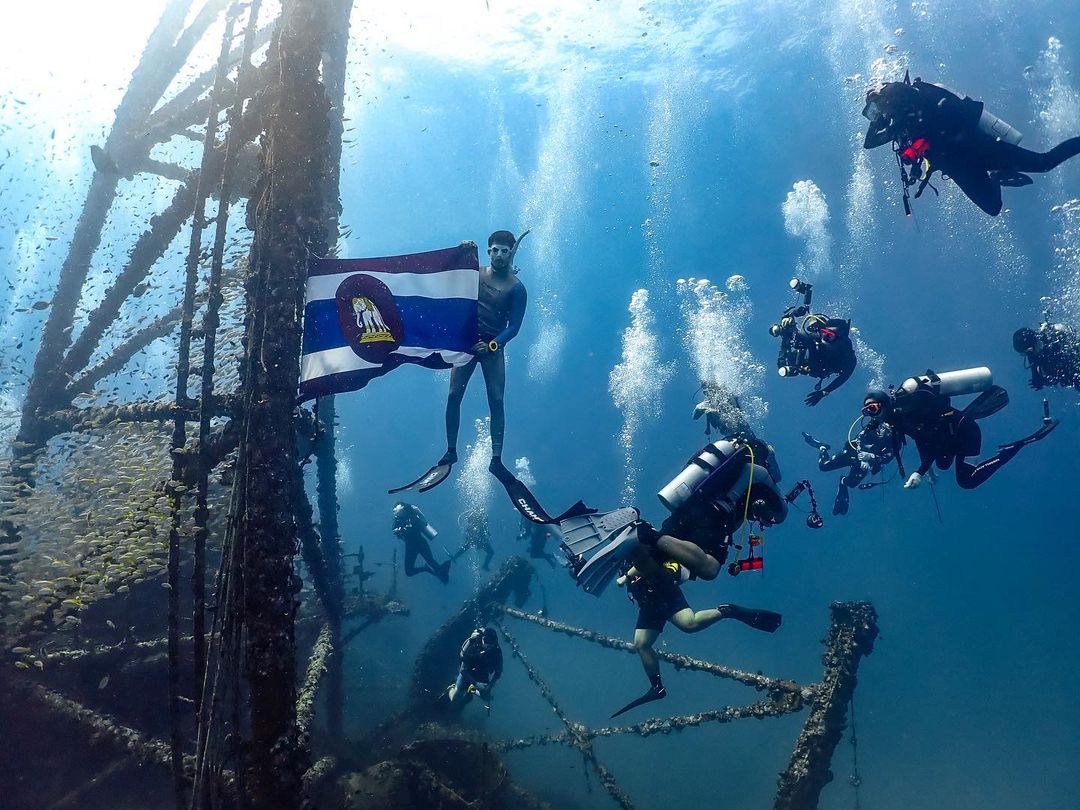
[(836, 357), (481, 664), (537, 535), (976, 161), (1057, 362), (720, 506), (804, 349), (873, 450), (943, 436), (657, 600), (409, 523), (477, 536)]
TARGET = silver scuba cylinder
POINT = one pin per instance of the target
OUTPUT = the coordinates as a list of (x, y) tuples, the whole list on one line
[(991, 125), (429, 532), (693, 475), (953, 383)]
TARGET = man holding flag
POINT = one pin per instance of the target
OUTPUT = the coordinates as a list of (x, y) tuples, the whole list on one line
[(440, 309), (501, 303)]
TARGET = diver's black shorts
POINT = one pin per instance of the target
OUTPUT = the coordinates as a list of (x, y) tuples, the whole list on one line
[(659, 605)]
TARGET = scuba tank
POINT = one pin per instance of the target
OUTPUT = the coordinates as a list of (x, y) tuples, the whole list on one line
[(951, 383), (993, 127), (407, 514), (707, 462), (718, 478)]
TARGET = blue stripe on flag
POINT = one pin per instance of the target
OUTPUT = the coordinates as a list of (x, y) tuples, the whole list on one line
[(429, 323)]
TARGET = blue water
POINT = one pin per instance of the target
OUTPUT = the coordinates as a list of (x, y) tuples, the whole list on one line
[(549, 120)]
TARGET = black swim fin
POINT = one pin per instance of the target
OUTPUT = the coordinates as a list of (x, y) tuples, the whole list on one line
[(1045, 430), (987, 403), (654, 693), (429, 480), (520, 495), (442, 572), (1013, 179), (433, 477), (765, 620)]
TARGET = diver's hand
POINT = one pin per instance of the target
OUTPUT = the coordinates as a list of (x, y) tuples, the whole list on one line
[(913, 482), (814, 397), (1035, 385), (481, 347)]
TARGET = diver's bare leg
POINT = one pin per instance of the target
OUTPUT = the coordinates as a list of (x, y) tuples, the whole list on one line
[(459, 381), (643, 643), (702, 565), (690, 622), (494, 367)]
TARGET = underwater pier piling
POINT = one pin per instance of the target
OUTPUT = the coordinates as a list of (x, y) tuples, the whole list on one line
[(289, 227), (851, 636)]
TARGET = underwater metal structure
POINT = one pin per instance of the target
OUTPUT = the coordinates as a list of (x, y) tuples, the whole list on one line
[(239, 719), (292, 105), (852, 631)]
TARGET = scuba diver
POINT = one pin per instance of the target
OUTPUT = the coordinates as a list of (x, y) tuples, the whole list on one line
[(814, 345), (477, 536), (1051, 354), (411, 527), (481, 666), (932, 130), (660, 600), (537, 535), (865, 455), (727, 484), (722, 411), (922, 409), (501, 302)]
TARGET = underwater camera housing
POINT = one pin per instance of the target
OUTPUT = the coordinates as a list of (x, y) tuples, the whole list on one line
[(814, 520), (749, 564)]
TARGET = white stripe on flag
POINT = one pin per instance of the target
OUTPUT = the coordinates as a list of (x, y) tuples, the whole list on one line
[(344, 359), (447, 284)]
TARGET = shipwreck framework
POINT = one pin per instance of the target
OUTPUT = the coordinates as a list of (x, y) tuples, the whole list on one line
[(270, 134), (852, 631)]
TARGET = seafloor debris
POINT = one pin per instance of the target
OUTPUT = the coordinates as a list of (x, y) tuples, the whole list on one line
[(453, 774)]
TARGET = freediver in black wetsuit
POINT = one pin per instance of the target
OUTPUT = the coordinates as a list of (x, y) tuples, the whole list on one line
[(500, 306), (932, 130), (814, 345), (1051, 354), (866, 455), (942, 434)]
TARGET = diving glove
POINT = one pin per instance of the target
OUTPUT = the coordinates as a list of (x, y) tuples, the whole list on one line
[(913, 482)]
